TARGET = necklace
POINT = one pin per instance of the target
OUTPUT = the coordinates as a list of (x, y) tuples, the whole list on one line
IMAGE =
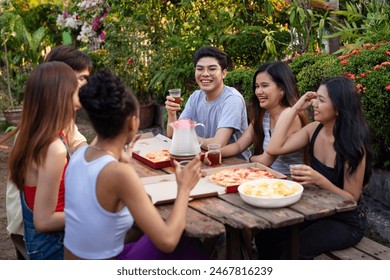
[(103, 150)]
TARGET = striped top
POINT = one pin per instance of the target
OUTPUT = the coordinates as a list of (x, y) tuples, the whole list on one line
[(282, 162)]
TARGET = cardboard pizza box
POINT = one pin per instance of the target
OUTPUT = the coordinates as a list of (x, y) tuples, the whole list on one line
[(163, 189), (231, 189), (149, 143)]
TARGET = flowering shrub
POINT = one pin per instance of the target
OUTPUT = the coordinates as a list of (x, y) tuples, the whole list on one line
[(87, 19), (315, 68), (369, 68)]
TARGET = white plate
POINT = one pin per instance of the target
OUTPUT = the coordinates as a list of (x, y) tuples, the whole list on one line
[(270, 202)]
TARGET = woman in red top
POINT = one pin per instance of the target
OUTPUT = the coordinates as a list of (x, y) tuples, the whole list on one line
[(39, 157)]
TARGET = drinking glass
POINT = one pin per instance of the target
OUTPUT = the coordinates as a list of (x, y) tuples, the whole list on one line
[(175, 93), (213, 155)]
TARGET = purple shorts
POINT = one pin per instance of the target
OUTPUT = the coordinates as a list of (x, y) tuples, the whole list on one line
[(144, 249)]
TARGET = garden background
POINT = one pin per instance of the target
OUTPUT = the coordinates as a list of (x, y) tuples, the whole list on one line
[(150, 44)]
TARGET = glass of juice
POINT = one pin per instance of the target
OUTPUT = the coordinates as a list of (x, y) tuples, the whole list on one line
[(175, 93), (213, 154)]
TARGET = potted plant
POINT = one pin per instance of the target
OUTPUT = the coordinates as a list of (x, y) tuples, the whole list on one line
[(20, 52)]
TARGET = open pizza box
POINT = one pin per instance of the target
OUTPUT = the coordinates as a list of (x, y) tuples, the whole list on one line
[(255, 165), (163, 189), (149, 143)]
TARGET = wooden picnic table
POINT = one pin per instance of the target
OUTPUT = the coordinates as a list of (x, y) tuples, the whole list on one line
[(228, 214)]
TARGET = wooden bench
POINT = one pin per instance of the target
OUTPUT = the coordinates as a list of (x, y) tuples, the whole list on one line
[(366, 249), (20, 247)]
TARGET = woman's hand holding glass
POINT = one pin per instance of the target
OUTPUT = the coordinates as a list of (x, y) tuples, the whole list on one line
[(187, 177), (303, 174)]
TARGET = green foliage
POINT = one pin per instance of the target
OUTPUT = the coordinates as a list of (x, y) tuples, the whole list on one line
[(376, 103), (358, 61), (369, 67), (301, 61), (44, 15), (310, 75), (306, 26), (151, 43), (255, 44), (21, 50), (242, 80), (363, 22), (99, 59)]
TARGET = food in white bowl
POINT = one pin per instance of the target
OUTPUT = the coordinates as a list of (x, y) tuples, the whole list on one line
[(270, 193)]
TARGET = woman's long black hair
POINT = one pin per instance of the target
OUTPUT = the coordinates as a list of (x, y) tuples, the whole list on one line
[(282, 75), (351, 130)]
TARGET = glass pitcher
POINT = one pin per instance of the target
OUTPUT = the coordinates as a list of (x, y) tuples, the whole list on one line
[(184, 140)]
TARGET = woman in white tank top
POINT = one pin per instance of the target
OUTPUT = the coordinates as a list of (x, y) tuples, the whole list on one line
[(104, 196)]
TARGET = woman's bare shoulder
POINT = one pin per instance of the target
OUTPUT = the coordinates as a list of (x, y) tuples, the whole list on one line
[(121, 173), (311, 127), (57, 147)]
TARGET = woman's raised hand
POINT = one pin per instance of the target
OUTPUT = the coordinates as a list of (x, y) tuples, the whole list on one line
[(305, 101), (128, 150)]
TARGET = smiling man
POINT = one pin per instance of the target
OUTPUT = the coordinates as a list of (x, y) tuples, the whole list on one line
[(219, 107)]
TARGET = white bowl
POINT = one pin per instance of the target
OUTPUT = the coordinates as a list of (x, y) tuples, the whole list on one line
[(270, 202)]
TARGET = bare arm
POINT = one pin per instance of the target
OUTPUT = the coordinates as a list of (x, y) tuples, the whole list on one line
[(222, 137), (240, 145), (281, 142), (164, 234), (48, 183), (78, 140), (353, 183)]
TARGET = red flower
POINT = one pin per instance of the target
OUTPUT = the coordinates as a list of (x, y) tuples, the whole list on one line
[(131, 60), (387, 88), (376, 67), (363, 75), (367, 45), (349, 75), (385, 63), (355, 52), (387, 53), (360, 88), (344, 62)]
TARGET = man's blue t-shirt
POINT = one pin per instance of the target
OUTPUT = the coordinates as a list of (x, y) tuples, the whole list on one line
[(227, 111)]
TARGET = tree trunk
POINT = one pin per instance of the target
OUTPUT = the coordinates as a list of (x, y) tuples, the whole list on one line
[(334, 43)]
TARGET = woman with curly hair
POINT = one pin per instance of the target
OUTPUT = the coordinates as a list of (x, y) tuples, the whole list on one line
[(105, 197)]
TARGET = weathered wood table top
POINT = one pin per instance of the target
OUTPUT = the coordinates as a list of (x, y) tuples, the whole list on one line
[(229, 214)]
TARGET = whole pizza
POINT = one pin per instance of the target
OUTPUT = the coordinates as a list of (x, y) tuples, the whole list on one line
[(237, 176), (158, 155)]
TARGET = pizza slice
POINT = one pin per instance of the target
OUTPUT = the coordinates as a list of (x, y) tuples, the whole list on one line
[(158, 156), (237, 176)]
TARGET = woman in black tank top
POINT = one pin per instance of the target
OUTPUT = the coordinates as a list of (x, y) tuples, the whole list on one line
[(340, 157)]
